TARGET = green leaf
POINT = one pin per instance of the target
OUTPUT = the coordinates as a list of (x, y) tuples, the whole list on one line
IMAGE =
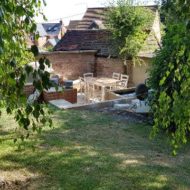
[(35, 50), (1, 51), (41, 62), (162, 81), (28, 69), (47, 62), (33, 28), (9, 111), (29, 109), (1, 14), (27, 20), (13, 63)]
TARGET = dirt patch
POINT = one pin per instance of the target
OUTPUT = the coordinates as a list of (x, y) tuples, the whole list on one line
[(16, 185), (27, 184), (18, 179), (126, 115)]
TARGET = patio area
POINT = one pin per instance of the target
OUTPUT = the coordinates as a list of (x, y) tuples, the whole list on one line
[(86, 90), (102, 92), (93, 90)]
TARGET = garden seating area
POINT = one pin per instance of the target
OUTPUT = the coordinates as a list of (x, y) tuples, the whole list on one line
[(94, 88), (85, 90)]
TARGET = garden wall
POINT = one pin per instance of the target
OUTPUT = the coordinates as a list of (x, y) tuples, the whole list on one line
[(140, 71), (106, 67), (72, 64), (69, 95)]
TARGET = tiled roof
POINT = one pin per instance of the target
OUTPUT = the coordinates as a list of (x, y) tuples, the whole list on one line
[(91, 15), (73, 24), (150, 46), (97, 15), (97, 24), (86, 40), (91, 34)]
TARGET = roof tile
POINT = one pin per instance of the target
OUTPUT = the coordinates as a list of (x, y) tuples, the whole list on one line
[(86, 40)]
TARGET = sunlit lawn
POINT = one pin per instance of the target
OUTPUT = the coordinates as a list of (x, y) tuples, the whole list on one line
[(88, 150)]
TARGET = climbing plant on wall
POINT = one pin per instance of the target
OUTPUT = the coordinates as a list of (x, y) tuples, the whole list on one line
[(129, 26)]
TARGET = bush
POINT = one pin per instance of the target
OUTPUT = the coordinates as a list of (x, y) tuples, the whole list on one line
[(170, 76)]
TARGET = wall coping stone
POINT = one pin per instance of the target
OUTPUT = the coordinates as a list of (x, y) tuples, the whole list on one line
[(69, 52)]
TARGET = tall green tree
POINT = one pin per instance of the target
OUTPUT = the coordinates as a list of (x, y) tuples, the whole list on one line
[(129, 26), (170, 75), (16, 22)]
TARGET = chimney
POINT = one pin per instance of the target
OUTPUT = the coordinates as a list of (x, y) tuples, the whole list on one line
[(63, 29)]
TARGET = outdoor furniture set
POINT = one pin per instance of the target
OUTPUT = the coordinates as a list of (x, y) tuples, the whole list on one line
[(95, 88)]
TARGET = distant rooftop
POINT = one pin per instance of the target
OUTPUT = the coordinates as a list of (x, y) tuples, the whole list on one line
[(49, 29), (85, 40), (97, 15), (52, 42), (92, 14), (73, 24), (91, 34)]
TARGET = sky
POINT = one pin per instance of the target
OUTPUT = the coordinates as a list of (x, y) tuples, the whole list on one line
[(70, 9)]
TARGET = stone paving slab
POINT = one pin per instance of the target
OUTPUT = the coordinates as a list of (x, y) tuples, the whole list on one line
[(61, 104)]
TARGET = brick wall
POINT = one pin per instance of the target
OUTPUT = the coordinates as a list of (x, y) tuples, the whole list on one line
[(72, 65), (28, 89), (106, 67), (69, 95)]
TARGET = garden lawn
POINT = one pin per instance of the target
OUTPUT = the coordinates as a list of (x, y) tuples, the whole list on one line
[(91, 151)]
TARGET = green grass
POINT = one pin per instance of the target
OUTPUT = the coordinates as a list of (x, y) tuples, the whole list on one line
[(87, 150)]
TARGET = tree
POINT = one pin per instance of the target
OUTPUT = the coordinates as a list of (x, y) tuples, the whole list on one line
[(170, 75), (129, 26), (16, 22)]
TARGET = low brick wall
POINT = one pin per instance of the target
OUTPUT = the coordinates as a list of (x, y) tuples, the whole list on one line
[(28, 89), (69, 95), (109, 95)]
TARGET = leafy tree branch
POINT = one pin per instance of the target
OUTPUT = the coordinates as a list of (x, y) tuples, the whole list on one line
[(170, 75), (16, 22)]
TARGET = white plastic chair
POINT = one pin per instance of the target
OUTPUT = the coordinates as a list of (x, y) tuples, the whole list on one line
[(124, 77), (87, 75), (123, 82), (82, 84), (116, 76)]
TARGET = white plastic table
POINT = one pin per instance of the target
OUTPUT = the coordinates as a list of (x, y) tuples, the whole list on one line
[(103, 82)]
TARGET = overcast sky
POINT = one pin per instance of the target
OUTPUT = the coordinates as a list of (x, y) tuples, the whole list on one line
[(70, 9)]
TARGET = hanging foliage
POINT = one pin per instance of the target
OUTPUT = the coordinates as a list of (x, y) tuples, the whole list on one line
[(16, 22), (170, 75)]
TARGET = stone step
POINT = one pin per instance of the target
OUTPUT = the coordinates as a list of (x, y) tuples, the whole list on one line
[(61, 103)]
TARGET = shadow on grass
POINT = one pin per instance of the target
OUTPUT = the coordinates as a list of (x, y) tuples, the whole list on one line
[(92, 151)]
